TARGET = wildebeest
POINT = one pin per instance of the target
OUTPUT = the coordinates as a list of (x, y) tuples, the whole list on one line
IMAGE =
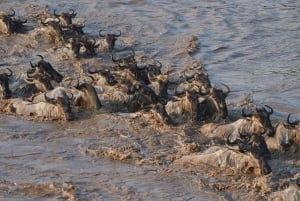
[(45, 68), (51, 109), (184, 108), (224, 158), (54, 30), (257, 121), (103, 76), (125, 59), (86, 96), (110, 39), (212, 105), (4, 82), (10, 24), (65, 18), (286, 134), (143, 96)]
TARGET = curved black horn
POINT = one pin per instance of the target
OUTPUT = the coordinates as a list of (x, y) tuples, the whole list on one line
[(246, 115), (73, 12), (101, 35), (228, 89), (13, 13), (55, 14), (298, 182), (271, 109), (33, 65), (289, 121), (44, 23), (23, 22), (10, 72), (92, 72), (158, 64), (117, 35), (113, 59), (42, 58)]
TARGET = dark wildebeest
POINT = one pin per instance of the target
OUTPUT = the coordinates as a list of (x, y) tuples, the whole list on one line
[(46, 69), (65, 18), (110, 39), (4, 82), (10, 24)]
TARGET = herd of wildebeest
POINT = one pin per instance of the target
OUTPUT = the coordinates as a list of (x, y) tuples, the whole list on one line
[(126, 86)]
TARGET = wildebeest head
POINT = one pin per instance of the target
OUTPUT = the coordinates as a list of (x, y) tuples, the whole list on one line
[(54, 29), (10, 24), (45, 68), (4, 82), (254, 144), (286, 132), (105, 72), (212, 106), (143, 96), (89, 99), (64, 104), (260, 120), (125, 59), (40, 80), (65, 18), (160, 84), (110, 37), (89, 45)]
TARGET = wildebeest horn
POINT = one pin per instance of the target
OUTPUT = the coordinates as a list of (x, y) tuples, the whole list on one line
[(117, 35), (228, 89), (10, 71), (271, 109), (112, 57), (246, 115), (33, 65), (298, 182), (13, 13), (92, 72), (158, 64), (73, 12), (42, 58), (101, 35), (56, 15), (188, 75), (44, 23), (289, 121)]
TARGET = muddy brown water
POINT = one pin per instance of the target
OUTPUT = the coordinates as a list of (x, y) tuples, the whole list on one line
[(251, 46)]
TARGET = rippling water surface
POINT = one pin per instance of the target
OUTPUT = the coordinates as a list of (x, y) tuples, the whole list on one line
[(252, 46)]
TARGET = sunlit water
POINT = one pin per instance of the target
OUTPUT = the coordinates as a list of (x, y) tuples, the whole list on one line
[(252, 46)]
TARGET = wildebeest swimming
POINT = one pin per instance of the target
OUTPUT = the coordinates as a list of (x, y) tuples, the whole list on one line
[(130, 86)]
